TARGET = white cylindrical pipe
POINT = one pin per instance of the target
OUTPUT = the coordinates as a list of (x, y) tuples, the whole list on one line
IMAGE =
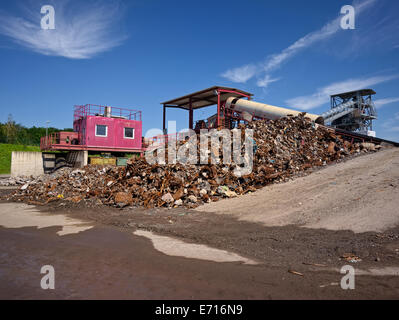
[(263, 110)]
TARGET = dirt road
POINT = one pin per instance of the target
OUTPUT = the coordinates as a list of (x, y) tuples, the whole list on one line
[(360, 195), (240, 248), (105, 262)]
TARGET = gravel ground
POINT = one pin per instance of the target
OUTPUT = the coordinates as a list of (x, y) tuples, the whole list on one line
[(308, 225)]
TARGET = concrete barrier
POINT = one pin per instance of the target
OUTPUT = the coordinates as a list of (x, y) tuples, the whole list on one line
[(26, 163), (82, 159)]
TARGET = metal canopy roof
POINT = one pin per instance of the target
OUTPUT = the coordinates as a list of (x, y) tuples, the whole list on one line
[(363, 92), (204, 98)]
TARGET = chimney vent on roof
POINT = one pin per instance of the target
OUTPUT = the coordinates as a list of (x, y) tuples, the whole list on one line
[(107, 112)]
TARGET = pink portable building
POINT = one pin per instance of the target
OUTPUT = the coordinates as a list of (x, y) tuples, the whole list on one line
[(100, 128)]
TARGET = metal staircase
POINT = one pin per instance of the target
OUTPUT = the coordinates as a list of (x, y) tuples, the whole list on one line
[(352, 111), (338, 112)]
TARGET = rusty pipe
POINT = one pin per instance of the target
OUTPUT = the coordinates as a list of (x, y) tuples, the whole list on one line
[(263, 110)]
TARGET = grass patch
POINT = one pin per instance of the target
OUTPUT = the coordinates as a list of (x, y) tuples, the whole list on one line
[(5, 155)]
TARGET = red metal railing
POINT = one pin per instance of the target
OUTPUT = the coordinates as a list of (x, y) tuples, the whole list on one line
[(220, 105), (83, 111), (59, 139), (46, 142)]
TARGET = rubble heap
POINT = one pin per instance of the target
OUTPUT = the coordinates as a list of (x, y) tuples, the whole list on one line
[(22, 180), (284, 148)]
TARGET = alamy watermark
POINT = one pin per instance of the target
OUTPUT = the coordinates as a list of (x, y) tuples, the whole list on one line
[(227, 147), (348, 20), (348, 280), (48, 281), (48, 20)]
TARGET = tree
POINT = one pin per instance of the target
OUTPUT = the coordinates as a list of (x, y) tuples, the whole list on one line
[(11, 130), (14, 133), (3, 136)]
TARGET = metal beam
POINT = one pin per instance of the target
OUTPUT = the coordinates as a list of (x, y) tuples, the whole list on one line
[(191, 115), (164, 119), (176, 107)]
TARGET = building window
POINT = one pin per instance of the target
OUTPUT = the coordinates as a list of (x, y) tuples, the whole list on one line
[(101, 130), (129, 133)]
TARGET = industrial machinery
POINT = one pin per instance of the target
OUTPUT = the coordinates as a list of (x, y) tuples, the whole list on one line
[(251, 109), (351, 114), (233, 106), (352, 111)]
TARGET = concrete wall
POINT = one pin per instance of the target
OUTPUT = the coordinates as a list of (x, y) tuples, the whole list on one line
[(26, 163), (82, 159)]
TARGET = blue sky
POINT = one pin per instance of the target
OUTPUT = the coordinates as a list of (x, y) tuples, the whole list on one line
[(139, 53)]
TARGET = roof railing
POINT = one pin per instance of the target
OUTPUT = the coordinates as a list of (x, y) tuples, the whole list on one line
[(82, 111)]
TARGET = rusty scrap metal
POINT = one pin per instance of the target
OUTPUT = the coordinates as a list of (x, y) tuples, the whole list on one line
[(285, 147)]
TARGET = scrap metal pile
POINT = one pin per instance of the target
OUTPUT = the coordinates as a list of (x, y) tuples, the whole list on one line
[(284, 148)]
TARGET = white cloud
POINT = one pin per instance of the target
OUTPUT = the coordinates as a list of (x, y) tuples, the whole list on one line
[(81, 32), (274, 61), (265, 81), (382, 102), (322, 95), (328, 30), (240, 74), (392, 125)]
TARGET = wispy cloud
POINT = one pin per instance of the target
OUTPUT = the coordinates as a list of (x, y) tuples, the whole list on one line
[(382, 102), (274, 61), (322, 95), (392, 124), (240, 74), (264, 83), (82, 30), (328, 30)]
